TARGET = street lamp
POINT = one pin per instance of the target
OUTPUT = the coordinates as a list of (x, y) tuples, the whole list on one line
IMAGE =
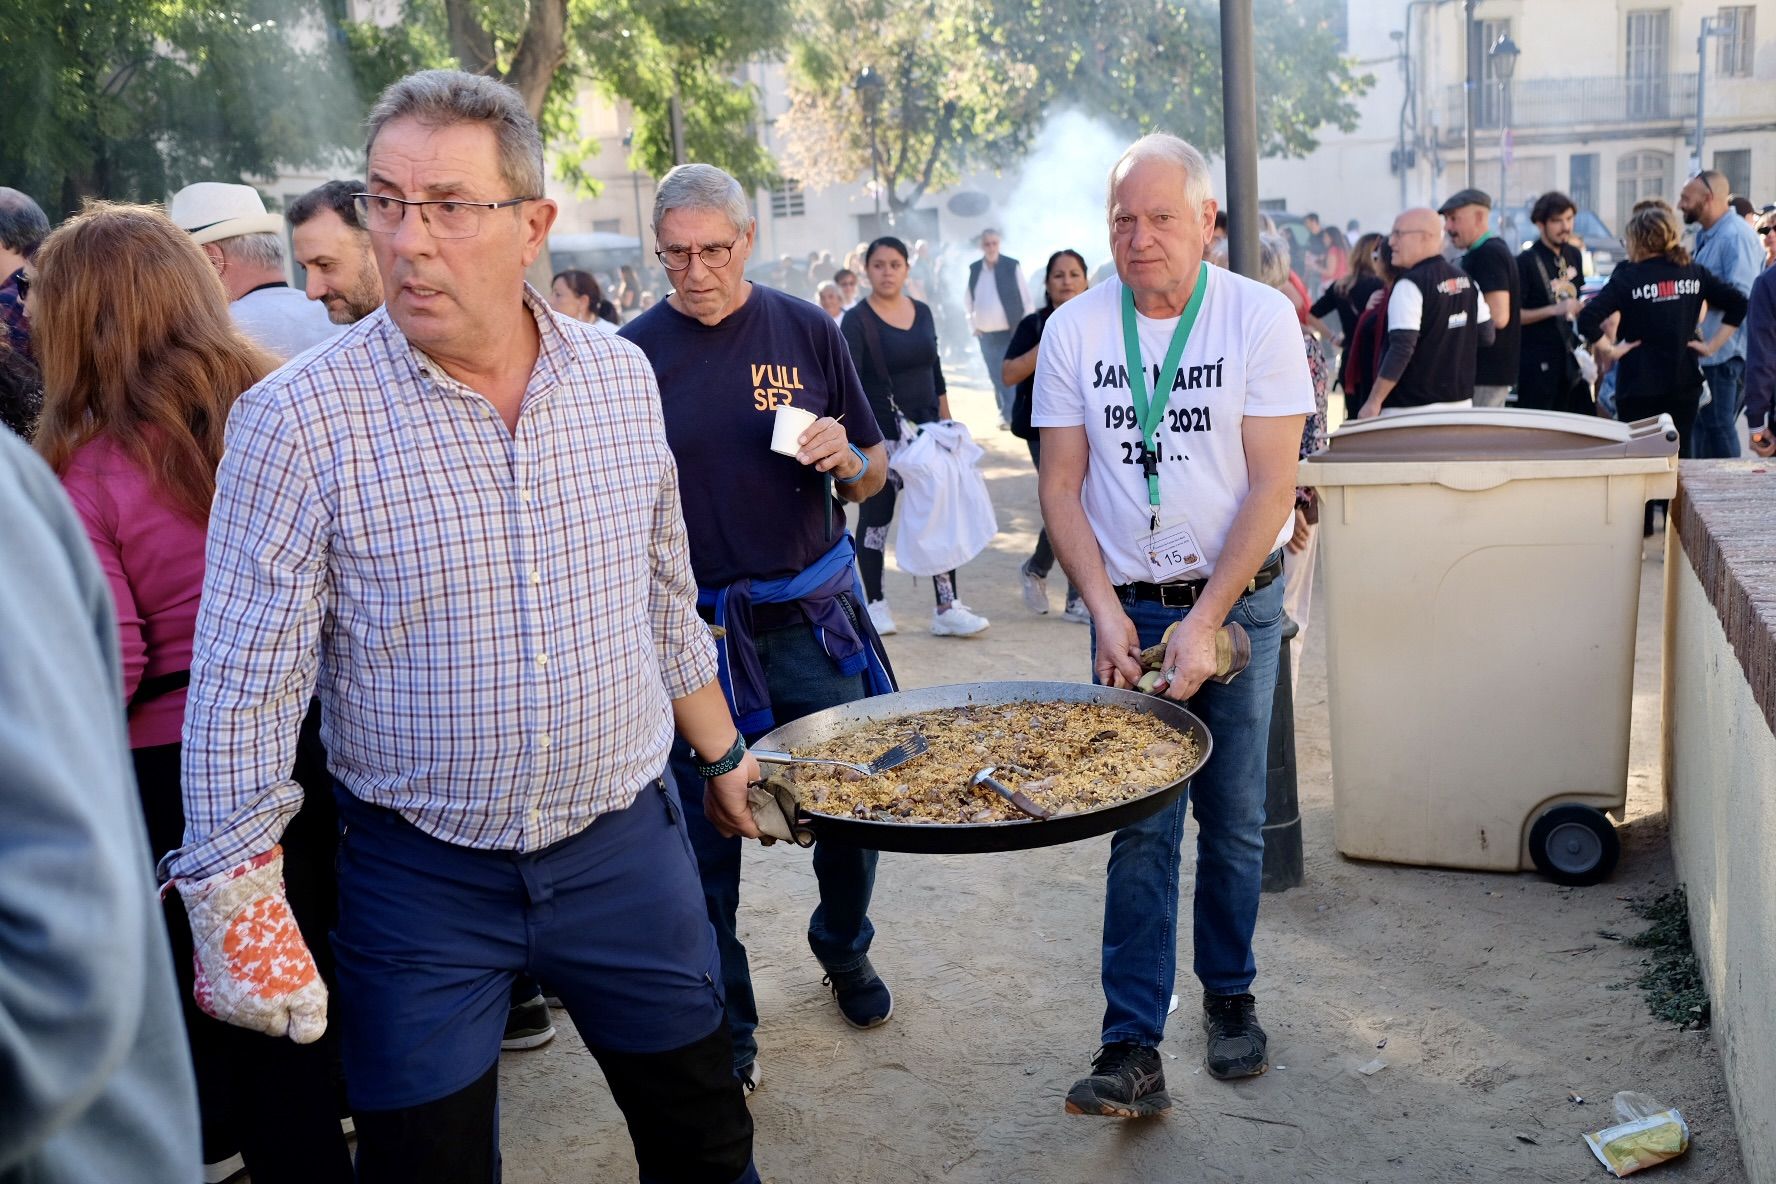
[(870, 88), (1504, 64), (635, 180), (1710, 28)]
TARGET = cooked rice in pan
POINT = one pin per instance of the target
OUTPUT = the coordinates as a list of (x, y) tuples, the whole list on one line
[(1066, 757)]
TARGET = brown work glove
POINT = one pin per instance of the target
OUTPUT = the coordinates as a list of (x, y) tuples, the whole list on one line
[(774, 808)]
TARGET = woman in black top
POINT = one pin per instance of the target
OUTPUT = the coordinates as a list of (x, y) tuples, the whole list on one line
[(1659, 293), (893, 341), (1064, 279), (1349, 294)]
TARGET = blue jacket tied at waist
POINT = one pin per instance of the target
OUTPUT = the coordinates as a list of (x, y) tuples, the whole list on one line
[(848, 638)]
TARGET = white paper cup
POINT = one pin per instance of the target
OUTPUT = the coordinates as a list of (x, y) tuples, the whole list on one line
[(791, 423)]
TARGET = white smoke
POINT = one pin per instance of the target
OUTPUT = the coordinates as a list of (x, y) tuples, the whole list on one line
[(1059, 197)]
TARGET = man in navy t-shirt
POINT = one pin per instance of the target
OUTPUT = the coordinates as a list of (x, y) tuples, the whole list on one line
[(775, 567)]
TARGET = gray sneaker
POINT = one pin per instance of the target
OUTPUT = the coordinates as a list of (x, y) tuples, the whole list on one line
[(1077, 612), (1035, 590)]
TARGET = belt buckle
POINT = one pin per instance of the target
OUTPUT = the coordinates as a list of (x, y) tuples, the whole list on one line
[(1185, 595)]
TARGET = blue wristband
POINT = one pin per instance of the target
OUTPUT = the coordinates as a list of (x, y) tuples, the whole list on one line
[(860, 472)]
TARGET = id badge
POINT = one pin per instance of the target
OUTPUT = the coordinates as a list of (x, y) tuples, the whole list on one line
[(1172, 552)]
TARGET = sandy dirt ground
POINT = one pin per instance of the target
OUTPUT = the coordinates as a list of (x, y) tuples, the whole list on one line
[(1496, 995)]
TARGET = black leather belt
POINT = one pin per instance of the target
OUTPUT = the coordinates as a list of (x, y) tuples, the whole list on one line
[(1183, 594)]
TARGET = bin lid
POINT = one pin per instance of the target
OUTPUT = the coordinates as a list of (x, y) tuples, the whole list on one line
[(1497, 434), (1434, 443)]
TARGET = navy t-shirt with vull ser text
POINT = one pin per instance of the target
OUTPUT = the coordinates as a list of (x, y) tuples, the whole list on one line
[(750, 513)]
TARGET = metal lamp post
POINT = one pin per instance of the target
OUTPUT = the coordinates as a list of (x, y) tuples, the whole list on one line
[(870, 88), (1504, 53), (1710, 28), (635, 181)]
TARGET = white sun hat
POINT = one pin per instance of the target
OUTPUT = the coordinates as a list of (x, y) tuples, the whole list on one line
[(211, 211)]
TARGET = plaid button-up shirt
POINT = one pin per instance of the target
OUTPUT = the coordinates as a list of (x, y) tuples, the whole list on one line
[(496, 621)]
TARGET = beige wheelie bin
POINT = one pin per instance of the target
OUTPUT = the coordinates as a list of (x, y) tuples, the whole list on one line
[(1482, 576)]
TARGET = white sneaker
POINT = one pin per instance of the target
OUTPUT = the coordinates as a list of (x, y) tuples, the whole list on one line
[(1035, 590), (957, 621), (881, 618), (1077, 612)]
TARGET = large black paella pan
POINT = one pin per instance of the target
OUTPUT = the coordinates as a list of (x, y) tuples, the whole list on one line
[(967, 837)]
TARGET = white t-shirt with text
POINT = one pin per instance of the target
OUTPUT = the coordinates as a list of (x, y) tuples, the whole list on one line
[(1244, 357)]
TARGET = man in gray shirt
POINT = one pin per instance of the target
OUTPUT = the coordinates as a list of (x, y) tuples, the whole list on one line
[(1729, 249), (95, 1083)]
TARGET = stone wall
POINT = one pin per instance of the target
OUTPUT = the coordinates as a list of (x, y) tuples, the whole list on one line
[(1720, 767)]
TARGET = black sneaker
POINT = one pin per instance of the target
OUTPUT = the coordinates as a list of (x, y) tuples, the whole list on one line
[(864, 999), (528, 1026), (1126, 1081), (1237, 1045)]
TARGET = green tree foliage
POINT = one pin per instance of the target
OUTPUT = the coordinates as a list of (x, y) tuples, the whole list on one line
[(643, 51), (969, 82), (131, 99)]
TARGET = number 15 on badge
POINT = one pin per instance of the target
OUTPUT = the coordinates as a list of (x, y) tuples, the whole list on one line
[(1172, 552)]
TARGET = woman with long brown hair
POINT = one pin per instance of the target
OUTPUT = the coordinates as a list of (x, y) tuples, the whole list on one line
[(1348, 294), (1659, 293), (141, 363)]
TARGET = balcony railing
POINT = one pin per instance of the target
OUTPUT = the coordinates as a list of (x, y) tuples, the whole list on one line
[(1573, 102)]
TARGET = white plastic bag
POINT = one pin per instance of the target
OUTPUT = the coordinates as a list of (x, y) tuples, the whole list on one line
[(946, 515)]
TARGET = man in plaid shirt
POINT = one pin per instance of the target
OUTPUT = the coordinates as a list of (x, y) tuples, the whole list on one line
[(459, 524)]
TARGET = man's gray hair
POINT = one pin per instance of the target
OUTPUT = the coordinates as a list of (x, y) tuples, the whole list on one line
[(702, 187), (445, 98), (1199, 186), (1273, 260), (264, 251)]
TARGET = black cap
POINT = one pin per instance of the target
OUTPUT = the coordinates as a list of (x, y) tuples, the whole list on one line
[(1466, 197)]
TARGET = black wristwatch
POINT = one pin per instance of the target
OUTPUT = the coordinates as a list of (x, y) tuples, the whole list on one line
[(728, 763)]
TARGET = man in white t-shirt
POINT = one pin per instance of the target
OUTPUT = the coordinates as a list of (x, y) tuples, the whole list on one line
[(1166, 509)]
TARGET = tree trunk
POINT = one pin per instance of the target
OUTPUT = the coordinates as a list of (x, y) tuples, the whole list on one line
[(541, 51)]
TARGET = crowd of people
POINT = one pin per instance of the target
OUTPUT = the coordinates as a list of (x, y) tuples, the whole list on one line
[(431, 617)]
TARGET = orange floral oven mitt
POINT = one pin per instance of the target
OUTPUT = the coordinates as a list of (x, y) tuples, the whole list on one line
[(253, 969)]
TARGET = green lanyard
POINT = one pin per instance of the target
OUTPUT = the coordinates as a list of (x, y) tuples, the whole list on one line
[(1150, 413)]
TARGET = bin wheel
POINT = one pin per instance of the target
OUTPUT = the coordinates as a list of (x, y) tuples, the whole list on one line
[(1575, 845)]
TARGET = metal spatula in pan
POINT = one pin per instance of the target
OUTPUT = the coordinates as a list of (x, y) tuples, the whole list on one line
[(895, 757)]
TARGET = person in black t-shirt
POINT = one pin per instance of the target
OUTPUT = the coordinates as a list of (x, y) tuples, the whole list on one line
[(1349, 294), (1551, 272), (728, 353), (1064, 278), (1466, 218), (1659, 292), (894, 342)]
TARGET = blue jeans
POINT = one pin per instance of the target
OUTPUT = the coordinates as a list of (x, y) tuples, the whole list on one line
[(1716, 435), (1140, 962), (992, 347), (801, 680)]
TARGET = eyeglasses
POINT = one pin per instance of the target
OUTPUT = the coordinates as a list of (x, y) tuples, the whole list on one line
[(713, 256), (444, 219), (1404, 233)]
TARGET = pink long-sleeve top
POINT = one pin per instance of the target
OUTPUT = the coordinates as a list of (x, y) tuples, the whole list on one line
[(153, 555)]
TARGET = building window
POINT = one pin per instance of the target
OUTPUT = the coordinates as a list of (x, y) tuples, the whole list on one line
[(1646, 63), (1638, 175), (1583, 186), (787, 200), (1735, 27), (1492, 87), (607, 226), (1735, 165)]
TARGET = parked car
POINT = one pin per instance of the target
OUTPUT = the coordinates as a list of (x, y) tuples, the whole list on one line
[(1601, 249)]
